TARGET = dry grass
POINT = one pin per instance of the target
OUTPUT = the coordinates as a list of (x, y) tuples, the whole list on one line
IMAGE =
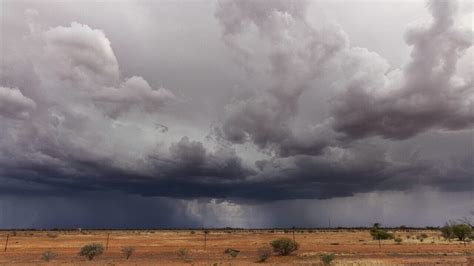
[(355, 247)]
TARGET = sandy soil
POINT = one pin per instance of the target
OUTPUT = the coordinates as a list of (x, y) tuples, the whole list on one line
[(351, 247)]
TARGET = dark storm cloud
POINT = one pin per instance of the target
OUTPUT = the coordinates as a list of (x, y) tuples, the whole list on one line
[(93, 210), (427, 94), (79, 125), (191, 171)]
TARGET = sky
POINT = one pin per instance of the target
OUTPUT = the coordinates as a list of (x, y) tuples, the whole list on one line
[(235, 113)]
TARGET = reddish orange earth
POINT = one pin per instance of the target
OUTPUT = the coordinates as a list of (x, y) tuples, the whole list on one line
[(159, 247)]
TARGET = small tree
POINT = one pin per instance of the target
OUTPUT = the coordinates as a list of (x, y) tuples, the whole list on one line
[(284, 246), (49, 255), (462, 231), (447, 231), (328, 258), (264, 253), (379, 234), (90, 251), (128, 251)]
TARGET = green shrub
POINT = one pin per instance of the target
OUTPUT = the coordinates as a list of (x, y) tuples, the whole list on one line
[(264, 253), (128, 251), (284, 246), (184, 254), (232, 252), (90, 251), (328, 258), (447, 231), (462, 231), (378, 233), (398, 240), (48, 255)]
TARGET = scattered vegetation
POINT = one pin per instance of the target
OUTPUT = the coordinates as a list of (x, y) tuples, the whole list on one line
[(232, 252), (90, 251), (264, 253), (447, 231), (422, 237), (52, 235), (379, 234), (48, 255), (328, 258), (184, 254), (398, 240), (128, 251), (461, 231), (284, 246), (403, 228)]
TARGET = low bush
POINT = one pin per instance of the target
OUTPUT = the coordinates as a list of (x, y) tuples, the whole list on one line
[(48, 255), (284, 246), (184, 254), (264, 253), (447, 231), (90, 251), (128, 251), (398, 240), (328, 258), (52, 235), (232, 252)]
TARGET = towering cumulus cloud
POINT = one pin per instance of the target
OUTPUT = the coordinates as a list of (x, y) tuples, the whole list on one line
[(426, 94), (294, 54), (13, 104), (80, 61)]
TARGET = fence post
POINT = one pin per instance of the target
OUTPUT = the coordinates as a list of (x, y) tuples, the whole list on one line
[(6, 243), (107, 244), (293, 233)]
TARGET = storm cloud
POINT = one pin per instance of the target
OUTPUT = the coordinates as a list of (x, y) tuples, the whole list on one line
[(279, 107), (426, 94)]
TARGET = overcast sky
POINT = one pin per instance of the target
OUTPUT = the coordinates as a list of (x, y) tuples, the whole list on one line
[(235, 113)]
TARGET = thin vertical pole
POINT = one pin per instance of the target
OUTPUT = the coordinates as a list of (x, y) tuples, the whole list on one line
[(107, 244), (6, 243), (293, 234)]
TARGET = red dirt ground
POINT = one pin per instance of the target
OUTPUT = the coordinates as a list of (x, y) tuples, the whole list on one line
[(159, 247)]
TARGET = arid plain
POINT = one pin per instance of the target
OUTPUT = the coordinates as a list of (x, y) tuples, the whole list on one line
[(160, 247)]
